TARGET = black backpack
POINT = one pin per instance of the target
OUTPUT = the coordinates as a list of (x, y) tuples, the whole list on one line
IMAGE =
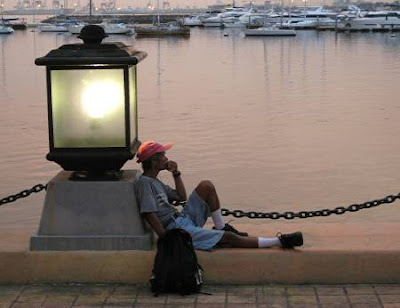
[(175, 266)]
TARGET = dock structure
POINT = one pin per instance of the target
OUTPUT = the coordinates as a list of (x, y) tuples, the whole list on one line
[(369, 30), (123, 18), (333, 253)]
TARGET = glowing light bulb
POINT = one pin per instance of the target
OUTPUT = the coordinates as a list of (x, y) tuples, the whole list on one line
[(101, 98)]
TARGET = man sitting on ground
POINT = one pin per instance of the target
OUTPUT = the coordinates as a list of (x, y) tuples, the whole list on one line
[(154, 199)]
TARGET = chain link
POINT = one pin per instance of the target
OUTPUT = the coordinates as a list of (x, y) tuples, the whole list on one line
[(340, 210), (23, 194)]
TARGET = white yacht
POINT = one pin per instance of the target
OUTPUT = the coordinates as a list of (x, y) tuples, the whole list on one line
[(352, 11), (109, 28), (213, 21), (196, 20), (35, 24), (6, 30), (374, 20), (250, 19), (228, 16), (116, 28), (234, 24), (56, 27), (302, 23), (76, 29), (306, 19), (269, 31), (275, 18)]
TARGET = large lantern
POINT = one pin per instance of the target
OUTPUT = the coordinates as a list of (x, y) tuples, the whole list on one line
[(93, 129), (92, 112)]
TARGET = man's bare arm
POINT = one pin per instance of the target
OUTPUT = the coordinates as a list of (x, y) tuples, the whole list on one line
[(154, 223), (179, 186)]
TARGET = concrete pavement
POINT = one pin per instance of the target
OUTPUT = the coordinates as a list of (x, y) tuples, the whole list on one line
[(240, 296), (334, 252)]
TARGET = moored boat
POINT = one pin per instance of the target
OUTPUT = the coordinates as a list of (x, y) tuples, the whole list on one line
[(228, 16), (379, 20), (14, 23), (269, 31), (56, 27), (19, 25), (169, 29), (234, 25), (116, 28), (109, 28), (6, 30), (300, 24), (35, 24), (193, 21)]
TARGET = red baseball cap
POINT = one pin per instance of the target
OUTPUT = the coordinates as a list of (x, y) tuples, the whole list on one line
[(149, 148)]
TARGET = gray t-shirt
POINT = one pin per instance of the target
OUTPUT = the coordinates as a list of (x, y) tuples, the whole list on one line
[(154, 196)]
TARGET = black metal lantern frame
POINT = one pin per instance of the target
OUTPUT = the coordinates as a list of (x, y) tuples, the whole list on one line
[(84, 59)]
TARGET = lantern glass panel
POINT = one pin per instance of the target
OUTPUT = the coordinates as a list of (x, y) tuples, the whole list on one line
[(88, 107), (133, 102)]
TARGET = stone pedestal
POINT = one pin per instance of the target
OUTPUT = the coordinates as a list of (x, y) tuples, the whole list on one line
[(91, 215)]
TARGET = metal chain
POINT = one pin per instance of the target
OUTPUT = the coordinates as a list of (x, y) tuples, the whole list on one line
[(307, 214), (23, 194), (252, 215)]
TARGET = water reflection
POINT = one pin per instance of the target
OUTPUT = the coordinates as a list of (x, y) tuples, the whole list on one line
[(266, 66), (3, 42), (159, 69), (282, 123)]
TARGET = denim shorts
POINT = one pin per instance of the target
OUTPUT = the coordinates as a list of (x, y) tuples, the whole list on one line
[(192, 219)]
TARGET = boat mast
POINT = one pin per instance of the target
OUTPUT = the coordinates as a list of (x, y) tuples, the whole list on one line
[(1, 8), (90, 10), (34, 11), (158, 12)]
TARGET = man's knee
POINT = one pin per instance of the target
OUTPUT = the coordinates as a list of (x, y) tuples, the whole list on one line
[(206, 185), (207, 192)]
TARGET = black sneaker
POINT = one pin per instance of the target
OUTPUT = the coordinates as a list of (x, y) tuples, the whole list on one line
[(291, 240), (229, 228)]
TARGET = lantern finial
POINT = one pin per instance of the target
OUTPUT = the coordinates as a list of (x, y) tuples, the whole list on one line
[(92, 34)]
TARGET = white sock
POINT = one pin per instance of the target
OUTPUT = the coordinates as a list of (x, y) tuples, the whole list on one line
[(264, 242), (217, 219)]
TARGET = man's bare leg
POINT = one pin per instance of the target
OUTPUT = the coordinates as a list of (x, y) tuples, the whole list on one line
[(206, 191), (282, 240)]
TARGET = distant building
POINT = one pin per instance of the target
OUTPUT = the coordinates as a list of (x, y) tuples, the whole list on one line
[(166, 5)]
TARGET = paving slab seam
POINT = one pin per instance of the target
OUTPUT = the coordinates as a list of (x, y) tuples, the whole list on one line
[(317, 296), (19, 295), (347, 296), (74, 300), (377, 296), (287, 296)]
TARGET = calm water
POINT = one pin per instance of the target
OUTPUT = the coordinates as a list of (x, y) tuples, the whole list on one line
[(277, 123)]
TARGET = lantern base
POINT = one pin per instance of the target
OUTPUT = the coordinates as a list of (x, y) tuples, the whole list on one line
[(96, 176), (92, 215), (92, 160)]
